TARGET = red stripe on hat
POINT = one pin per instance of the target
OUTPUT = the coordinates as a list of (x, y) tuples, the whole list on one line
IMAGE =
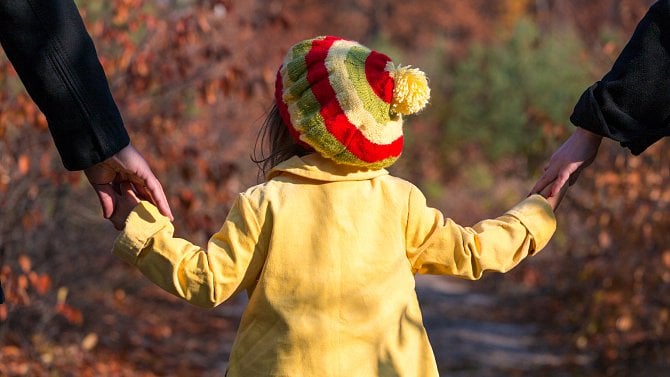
[(379, 79), (336, 121)]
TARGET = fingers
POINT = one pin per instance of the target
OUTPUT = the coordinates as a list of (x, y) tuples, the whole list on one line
[(118, 218), (560, 181), (150, 189), (556, 200), (546, 178), (131, 162), (127, 164), (142, 191), (158, 195), (107, 198), (539, 186), (556, 187), (546, 190), (557, 174), (126, 200), (128, 192)]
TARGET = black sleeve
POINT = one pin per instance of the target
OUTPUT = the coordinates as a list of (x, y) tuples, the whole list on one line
[(631, 104), (49, 47)]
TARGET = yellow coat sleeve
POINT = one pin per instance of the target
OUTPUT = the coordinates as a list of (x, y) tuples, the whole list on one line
[(205, 278), (436, 245)]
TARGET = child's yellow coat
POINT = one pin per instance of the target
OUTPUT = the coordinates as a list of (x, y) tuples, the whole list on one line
[(328, 255)]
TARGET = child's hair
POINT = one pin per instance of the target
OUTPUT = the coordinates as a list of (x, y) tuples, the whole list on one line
[(274, 143)]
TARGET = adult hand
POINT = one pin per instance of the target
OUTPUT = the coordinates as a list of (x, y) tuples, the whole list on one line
[(568, 161), (127, 165)]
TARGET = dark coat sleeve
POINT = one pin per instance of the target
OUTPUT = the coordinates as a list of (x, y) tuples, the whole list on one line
[(631, 104), (49, 47)]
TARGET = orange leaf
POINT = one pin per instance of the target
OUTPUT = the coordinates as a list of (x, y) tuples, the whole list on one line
[(24, 164), (10, 351), (5, 272), (24, 263), (42, 121), (72, 315), (90, 341), (666, 258), (41, 283), (22, 283)]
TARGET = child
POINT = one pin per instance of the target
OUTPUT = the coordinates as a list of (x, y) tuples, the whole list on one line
[(328, 246)]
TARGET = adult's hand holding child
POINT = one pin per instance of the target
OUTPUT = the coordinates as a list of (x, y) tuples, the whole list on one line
[(567, 162), (127, 165)]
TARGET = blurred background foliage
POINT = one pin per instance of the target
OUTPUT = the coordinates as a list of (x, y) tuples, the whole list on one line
[(193, 80), (512, 96)]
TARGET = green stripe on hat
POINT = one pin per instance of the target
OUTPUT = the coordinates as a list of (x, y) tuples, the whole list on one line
[(295, 79), (355, 63), (296, 66)]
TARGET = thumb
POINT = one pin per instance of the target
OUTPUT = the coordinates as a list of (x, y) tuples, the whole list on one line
[(107, 198)]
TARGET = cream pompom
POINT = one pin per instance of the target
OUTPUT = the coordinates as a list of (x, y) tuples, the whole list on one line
[(410, 91)]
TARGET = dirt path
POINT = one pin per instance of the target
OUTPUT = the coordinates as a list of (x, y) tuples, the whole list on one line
[(468, 339)]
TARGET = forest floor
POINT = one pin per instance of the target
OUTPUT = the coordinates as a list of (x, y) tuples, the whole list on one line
[(471, 335)]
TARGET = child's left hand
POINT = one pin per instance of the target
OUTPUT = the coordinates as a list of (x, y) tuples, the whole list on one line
[(124, 203)]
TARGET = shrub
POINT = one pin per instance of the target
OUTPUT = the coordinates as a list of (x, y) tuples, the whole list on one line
[(514, 96)]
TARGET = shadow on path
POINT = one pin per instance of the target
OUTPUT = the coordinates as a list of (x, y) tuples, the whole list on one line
[(468, 340)]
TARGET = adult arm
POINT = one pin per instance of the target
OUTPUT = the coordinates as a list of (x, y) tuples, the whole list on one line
[(50, 49), (48, 45), (631, 104)]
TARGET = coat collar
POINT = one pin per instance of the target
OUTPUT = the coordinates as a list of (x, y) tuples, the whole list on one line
[(313, 166)]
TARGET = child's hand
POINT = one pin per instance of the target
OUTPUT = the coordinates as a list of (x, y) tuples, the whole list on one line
[(123, 205), (554, 200)]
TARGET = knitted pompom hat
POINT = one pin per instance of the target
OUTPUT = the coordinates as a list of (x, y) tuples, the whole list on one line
[(346, 101)]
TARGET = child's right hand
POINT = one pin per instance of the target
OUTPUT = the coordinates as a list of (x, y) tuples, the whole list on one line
[(124, 204), (554, 200)]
